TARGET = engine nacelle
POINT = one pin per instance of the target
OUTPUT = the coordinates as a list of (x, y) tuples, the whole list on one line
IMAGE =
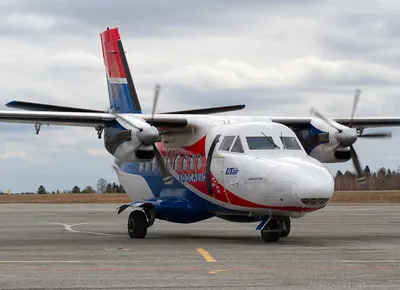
[(127, 151), (321, 141), (330, 153)]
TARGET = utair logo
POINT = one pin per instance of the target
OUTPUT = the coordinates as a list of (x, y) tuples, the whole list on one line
[(231, 171)]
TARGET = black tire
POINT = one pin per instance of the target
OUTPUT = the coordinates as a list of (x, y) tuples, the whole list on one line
[(288, 225), (137, 225), (271, 237)]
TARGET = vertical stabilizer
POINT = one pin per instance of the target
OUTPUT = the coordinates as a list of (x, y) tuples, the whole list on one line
[(121, 90)]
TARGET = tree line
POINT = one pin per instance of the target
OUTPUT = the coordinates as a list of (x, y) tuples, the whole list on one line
[(383, 179), (101, 187)]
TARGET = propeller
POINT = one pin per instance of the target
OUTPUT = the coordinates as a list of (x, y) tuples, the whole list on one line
[(155, 101), (355, 102), (319, 115), (157, 154), (148, 134), (347, 138), (357, 165), (376, 135)]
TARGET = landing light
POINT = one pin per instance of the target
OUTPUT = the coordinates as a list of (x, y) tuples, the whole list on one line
[(314, 201)]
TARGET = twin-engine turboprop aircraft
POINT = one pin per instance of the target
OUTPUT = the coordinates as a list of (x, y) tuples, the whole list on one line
[(189, 166)]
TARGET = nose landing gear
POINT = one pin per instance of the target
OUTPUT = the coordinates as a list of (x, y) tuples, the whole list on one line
[(288, 225), (275, 228)]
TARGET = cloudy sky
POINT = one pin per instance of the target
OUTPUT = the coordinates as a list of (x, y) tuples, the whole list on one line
[(277, 57)]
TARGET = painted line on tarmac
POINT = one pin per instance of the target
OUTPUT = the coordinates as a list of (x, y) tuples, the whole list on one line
[(217, 271), (206, 255), (11, 262), (69, 228), (189, 269), (370, 261)]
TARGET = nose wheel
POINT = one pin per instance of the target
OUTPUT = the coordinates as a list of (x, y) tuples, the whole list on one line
[(276, 228), (288, 225), (271, 233)]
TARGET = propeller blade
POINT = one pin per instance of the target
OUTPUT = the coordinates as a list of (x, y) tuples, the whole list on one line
[(355, 101), (387, 135), (319, 115), (134, 122), (155, 101), (161, 163), (357, 166)]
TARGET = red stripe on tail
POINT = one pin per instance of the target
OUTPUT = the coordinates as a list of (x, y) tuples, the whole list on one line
[(111, 55)]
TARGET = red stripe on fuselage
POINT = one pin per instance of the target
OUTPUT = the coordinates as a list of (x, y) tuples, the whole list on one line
[(111, 55)]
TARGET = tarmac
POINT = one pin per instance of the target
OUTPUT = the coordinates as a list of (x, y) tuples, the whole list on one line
[(86, 246)]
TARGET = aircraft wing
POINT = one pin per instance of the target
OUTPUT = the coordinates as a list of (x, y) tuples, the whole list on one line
[(83, 119), (58, 118), (370, 122), (360, 122)]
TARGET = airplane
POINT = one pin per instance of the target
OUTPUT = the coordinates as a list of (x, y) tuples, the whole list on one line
[(189, 166)]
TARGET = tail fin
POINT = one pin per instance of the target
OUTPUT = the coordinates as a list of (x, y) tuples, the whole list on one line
[(121, 90)]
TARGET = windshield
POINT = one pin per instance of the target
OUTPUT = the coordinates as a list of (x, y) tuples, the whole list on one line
[(261, 143), (290, 143), (226, 143), (237, 146)]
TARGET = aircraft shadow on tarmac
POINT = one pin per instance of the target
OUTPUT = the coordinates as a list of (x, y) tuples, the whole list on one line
[(325, 240)]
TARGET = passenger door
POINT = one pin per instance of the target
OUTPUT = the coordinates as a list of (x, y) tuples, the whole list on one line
[(215, 172)]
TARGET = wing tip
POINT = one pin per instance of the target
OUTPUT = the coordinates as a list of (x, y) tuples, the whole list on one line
[(11, 103)]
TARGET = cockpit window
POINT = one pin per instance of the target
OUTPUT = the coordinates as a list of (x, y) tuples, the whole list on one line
[(290, 143), (237, 146), (261, 143), (226, 143)]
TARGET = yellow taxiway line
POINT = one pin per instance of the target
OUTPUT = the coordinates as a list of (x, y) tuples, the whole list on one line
[(206, 255)]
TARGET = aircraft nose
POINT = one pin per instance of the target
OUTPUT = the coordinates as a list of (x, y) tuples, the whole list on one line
[(314, 188)]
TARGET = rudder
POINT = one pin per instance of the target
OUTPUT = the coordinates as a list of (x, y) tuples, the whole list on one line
[(121, 90)]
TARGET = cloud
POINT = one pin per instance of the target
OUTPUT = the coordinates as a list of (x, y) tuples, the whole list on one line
[(279, 58), (97, 152)]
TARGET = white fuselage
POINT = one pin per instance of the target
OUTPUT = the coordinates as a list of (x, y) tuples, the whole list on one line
[(260, 177)]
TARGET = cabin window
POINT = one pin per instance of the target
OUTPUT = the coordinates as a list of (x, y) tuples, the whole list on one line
[(261, 143), (140, 167), (226, 143), (147, 166), (237, 146), (191, 162), (154, 164), (185, 162), (290, 143), (169, 162), (199, 162), (177, 162)]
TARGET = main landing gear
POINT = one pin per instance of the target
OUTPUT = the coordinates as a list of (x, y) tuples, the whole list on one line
[(139, 221), (275, 228)]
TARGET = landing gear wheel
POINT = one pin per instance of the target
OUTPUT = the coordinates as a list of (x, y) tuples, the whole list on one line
[(271, 233), (287, 225), (137, 225)]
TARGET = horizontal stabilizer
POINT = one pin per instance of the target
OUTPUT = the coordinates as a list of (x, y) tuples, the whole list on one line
[(45, 107), (213, 110)]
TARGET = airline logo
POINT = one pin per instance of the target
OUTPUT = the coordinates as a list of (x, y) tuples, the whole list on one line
[(231, 171)]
